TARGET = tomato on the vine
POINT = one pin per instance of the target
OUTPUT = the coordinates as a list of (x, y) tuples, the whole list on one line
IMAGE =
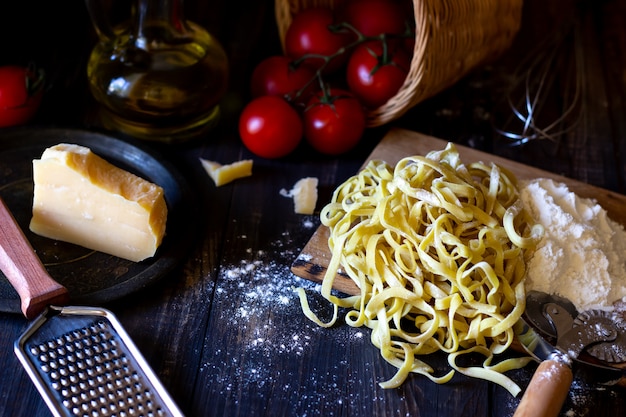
[(269, 127), (360, 33), (310, 34), (278, 76), (21, 91), (334, 122), (375, 74), (374, 17)]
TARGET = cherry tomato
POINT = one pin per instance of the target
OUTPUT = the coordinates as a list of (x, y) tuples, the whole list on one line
[(310, 34), (278, 76), (374, 17), (21, 91), (334, 122), (374, 74), (269, 127)]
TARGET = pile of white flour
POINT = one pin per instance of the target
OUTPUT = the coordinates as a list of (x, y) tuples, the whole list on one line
[(582, 255)]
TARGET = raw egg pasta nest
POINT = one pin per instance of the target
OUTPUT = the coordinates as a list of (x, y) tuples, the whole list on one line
[(438, 250)]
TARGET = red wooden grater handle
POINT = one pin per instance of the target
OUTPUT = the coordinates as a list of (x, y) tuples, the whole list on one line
[(24, 270)]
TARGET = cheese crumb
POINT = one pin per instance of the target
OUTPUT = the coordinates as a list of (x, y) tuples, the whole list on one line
[(223, 174), (304, 194), (581, 254)]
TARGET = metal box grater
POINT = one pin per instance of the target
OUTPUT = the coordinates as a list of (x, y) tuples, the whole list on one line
[(84, 364)]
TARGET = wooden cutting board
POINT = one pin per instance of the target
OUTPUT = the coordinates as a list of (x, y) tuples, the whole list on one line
[(397, 144)]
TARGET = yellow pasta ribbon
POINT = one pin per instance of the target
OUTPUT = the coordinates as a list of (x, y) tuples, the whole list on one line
[(438, 251)]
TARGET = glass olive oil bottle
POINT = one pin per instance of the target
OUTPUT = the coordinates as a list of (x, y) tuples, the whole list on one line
[(157, 77)]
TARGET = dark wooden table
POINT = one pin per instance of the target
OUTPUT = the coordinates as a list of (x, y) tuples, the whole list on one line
[(224, 331)]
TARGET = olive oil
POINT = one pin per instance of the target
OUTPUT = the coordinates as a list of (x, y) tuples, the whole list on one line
[(159, 81)]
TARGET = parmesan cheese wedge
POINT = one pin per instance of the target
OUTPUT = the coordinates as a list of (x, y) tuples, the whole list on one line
[(82, 199), (304, 194), (223, 174)]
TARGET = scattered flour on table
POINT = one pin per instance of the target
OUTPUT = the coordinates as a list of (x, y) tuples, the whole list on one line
[(581, 256), (262, 310)]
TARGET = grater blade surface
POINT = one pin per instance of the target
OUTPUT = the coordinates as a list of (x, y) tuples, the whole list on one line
[(84, 364)]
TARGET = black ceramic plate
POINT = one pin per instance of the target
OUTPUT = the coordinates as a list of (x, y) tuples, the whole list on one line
[(92, 277)]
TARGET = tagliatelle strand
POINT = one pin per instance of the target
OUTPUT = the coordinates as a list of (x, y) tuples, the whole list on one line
[(438, 251)]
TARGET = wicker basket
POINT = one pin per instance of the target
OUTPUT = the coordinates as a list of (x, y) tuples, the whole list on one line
[(452, 38)]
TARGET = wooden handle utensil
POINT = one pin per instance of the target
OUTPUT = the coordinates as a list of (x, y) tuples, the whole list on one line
[(24, 270), (547, 390)]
